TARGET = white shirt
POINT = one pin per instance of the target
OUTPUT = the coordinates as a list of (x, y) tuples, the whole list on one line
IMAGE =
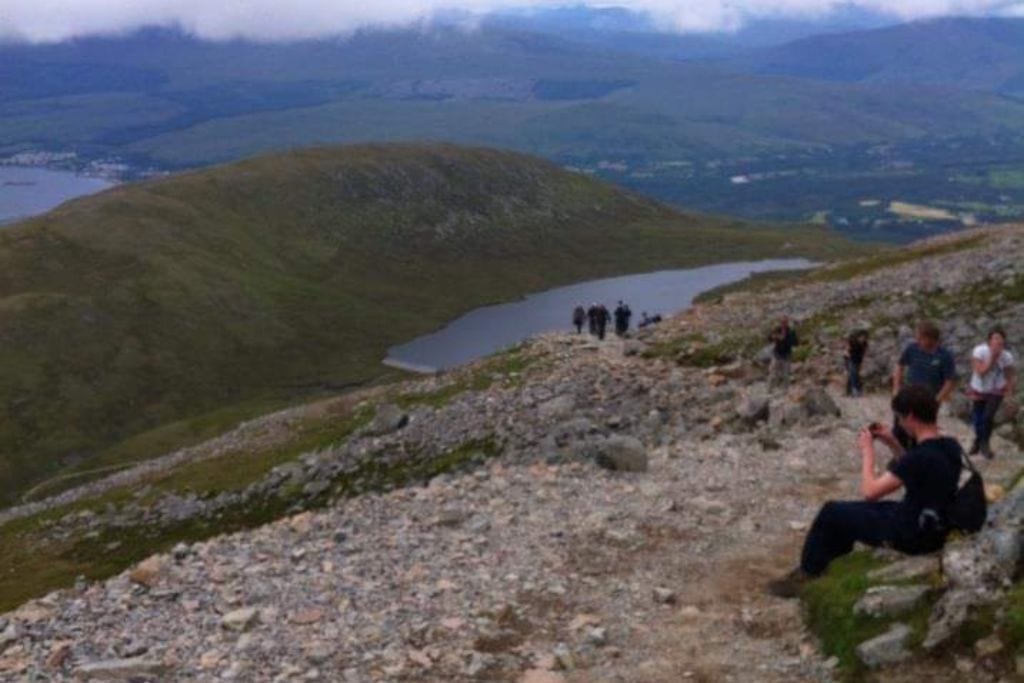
[(993, 381)]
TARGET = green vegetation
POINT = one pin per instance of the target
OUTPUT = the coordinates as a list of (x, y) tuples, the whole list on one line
[(828, 606), (165, 301), (507, 366)]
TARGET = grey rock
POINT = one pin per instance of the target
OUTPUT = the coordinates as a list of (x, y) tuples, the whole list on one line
[(10, 635), (621, 454), (888, 648), (240, 619), (557, 408), (816, 402), (890, 601), (907, 569), (753, 408), (665, 596), (388, 418), (131, 669)]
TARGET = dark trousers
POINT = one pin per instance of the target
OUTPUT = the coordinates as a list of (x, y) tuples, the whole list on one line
[(983, 416), (840, 524), (853, 383), (579, 327), (600, 330)]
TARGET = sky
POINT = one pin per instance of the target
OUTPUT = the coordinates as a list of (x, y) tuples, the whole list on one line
[(55, 20)]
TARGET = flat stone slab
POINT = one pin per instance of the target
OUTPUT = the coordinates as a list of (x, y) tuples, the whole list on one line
[(890, 601), (888, 648), (907, 569), (132, 669)]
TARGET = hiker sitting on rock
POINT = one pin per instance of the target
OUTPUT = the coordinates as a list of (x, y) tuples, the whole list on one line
[(930, 473)]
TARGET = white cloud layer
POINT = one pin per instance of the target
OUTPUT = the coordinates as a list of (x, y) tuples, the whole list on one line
[(53, 20)]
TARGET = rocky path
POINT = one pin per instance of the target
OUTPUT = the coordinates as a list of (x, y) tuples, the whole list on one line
[(514, 572)]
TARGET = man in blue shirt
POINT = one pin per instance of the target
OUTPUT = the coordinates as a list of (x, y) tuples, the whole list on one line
[(926, 363)]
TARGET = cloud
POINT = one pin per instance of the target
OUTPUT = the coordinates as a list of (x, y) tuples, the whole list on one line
[(54, 20)]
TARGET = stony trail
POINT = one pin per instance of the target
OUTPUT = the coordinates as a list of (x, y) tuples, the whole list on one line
[(538, 566)]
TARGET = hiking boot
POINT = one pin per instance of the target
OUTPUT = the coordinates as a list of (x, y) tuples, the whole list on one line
[(790, 585), (975, 448)]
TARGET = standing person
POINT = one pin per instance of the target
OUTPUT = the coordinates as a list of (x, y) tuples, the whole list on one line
[(578, 316), (926, 362), (929, 472), (783, 339), (856, 349), (592, 318), (994, 377), (602, 320), (622, 316)]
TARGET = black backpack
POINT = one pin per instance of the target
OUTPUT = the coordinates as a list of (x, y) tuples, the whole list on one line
[(969, 506)]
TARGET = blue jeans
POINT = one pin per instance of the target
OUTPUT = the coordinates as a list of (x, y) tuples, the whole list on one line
[(840, 524), (983, 416), (853, 383)]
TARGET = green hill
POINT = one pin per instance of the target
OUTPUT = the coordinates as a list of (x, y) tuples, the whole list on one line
[(246, 284)]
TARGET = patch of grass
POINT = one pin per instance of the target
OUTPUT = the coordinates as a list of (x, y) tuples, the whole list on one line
[(828, 607), (505, 365), (758, 282), (236, 470)]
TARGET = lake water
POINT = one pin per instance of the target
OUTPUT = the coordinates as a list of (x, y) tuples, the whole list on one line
[(27, 191), (485, 330)]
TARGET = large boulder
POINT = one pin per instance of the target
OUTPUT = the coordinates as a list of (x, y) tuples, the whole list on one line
[(620, 453), (753, 408), (888, 648), (388, 418)]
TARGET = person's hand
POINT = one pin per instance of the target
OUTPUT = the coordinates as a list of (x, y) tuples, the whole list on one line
[(884, 434), (865, 439)]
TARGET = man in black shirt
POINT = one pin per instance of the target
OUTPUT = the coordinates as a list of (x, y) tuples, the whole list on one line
[(929, 472)]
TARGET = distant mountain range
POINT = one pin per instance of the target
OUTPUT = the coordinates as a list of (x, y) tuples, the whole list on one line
[(971, 54), (826, 127)]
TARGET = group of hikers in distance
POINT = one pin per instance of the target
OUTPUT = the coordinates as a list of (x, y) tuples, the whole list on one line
[(926, 463), (597, 318)]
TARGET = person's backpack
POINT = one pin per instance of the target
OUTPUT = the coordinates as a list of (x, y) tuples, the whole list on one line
[(969, 506)]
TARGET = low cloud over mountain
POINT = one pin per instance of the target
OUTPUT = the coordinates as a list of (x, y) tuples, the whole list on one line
[(55, 20)]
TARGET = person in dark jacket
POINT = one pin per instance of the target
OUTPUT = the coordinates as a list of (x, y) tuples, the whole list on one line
[(603, 316), (783, 338), (579, 315), (856, 350), (622, 316), (592, 314), (929, 473)]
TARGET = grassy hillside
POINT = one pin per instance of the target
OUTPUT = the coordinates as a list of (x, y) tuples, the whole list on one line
[(156, 302)]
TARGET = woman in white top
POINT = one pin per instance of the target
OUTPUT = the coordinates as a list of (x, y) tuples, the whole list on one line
[(994, 377)]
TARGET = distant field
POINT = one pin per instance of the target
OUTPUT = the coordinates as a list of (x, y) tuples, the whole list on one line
[(916, 211)]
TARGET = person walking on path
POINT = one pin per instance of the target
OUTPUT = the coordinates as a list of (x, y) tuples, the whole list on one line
[(856, 349), (602, 320), (579, 315), (926, 362), (783, 338), (994, 377), (592, 313), (929, 472), (622, 316)]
